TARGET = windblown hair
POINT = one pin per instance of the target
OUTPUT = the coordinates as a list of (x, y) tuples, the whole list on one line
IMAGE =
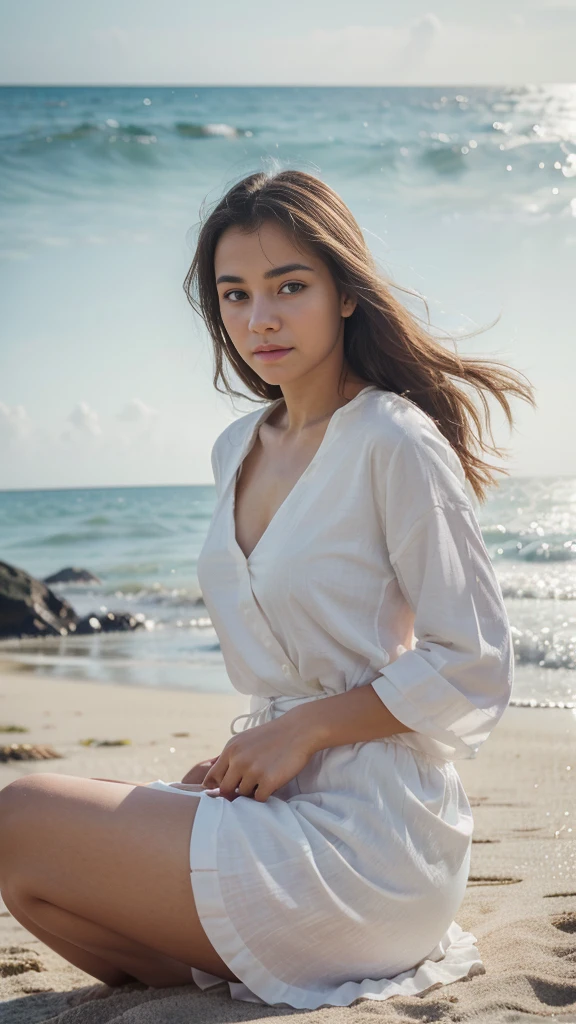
[(384, 343)]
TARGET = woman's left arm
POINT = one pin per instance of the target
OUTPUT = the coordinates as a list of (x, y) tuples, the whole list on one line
[(357, 716), (259, 760)]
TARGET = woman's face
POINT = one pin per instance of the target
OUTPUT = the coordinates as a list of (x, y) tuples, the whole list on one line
[(272, 293)]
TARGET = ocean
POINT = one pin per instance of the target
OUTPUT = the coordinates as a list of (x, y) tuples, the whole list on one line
[(143, 544), (101, 177)]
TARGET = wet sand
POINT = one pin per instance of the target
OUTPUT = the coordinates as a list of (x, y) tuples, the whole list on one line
[(521, 896)]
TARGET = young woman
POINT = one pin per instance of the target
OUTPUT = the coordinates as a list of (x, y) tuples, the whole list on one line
[(322, 855)]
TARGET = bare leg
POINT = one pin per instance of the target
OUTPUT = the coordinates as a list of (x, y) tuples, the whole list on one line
[(111, 977), (101, 874), (122, 961)]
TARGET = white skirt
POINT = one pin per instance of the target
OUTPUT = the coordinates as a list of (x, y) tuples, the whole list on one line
[(343, 885)]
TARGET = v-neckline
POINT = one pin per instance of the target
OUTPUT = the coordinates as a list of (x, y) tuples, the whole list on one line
[(249, 442)]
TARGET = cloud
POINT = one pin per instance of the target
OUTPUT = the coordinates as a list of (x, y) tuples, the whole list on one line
[(422, 34), (136, 411), (533, 42), (86, 422), (14, 422), (85, 419)]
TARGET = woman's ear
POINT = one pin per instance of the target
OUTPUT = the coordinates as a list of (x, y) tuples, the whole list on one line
[(348, 303)]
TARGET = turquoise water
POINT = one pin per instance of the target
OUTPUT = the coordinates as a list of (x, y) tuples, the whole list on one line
[(466, 193), (143, 543), (114, 170), (115, 149)]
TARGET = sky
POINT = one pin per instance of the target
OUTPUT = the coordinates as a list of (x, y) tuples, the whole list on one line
[(131, 394), (322, 43)]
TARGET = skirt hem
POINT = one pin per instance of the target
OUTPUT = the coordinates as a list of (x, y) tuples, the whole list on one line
[(455, 957)]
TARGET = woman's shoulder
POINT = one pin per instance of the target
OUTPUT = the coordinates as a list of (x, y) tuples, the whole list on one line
[(230, 440), (391, 418), (399, 432), (237, 429)]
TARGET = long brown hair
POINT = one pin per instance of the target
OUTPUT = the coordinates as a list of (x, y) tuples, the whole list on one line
[(384, 343)]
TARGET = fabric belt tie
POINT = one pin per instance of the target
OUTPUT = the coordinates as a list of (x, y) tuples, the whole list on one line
[(268, 710)]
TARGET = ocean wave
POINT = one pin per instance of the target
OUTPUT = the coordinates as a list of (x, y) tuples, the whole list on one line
[(191, 130), (471, 140), (62, 539), (443, 159), (87, 161), (112, 131), (542, 549), (545, 648), (156, 594), (129, 531)]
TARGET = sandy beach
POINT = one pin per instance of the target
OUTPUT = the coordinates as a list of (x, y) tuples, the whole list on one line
[(520, 901)]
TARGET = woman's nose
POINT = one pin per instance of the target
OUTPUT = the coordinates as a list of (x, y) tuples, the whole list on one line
[(263, 316)]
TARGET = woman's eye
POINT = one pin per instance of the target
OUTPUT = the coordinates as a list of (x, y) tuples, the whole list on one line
[(289, 284)]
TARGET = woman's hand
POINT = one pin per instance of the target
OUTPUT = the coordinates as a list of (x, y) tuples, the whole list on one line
[(259, 760), (198, 771)]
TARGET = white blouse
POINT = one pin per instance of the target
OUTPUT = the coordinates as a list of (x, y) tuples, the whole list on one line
[(343, 885), (376, 544)]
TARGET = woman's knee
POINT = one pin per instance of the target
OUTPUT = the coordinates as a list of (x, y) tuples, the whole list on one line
[(19, 804), (22, 794)]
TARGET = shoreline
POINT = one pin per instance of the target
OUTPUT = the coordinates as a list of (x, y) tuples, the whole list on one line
[(217, 673), (520, 901)]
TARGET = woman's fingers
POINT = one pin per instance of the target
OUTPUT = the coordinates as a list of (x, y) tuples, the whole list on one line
[(247, 785), (231, 778), (216, 773)]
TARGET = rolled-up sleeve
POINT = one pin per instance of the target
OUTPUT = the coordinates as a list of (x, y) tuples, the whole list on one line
[(455, 684)]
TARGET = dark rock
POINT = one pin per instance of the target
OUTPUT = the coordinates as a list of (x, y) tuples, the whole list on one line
[(113, 621), (109, 623), (88, 624), (29, 608), (72, 575)]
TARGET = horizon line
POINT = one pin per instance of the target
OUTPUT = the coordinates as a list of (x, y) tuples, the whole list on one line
[(113, 487), (281, 85)]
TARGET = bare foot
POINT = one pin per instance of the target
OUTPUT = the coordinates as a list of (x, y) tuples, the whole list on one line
[(87, 995)]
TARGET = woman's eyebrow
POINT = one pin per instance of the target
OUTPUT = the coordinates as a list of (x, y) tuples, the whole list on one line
[(275, 272)]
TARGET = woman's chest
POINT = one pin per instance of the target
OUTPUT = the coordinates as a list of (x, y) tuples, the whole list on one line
[(325, 537), (264, 482)]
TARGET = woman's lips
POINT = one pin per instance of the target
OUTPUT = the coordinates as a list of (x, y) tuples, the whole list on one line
[(272, 354)]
